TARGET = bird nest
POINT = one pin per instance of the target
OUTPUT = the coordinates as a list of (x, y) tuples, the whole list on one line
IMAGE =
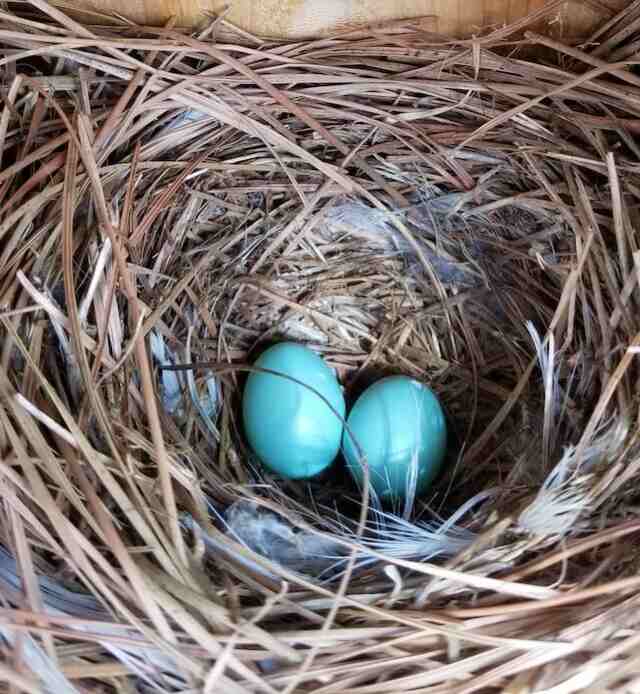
[(402, 203)]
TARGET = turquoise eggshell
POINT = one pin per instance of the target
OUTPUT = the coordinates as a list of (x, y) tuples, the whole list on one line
[(290, 428), (396, 421)]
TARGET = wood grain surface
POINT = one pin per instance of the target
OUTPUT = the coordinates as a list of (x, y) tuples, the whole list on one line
[(305, 18)]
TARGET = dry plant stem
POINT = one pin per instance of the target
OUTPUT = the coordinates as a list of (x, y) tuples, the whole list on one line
[(150, 399), (95, 503)]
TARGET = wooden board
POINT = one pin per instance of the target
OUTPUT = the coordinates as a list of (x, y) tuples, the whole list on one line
[(304, 18)]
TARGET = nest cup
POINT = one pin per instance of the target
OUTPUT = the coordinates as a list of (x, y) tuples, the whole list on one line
[(401, 203)]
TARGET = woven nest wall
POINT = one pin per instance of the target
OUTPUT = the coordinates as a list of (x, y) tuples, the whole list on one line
[(449, 210)]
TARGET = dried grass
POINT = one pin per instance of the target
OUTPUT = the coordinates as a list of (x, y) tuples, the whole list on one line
[(448, 209)]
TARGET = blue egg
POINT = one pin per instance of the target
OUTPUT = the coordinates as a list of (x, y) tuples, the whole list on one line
[(401, 429), (289, 427)]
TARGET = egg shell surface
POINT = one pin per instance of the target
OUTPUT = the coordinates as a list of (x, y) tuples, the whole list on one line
[(399, 425), (289, 427)]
